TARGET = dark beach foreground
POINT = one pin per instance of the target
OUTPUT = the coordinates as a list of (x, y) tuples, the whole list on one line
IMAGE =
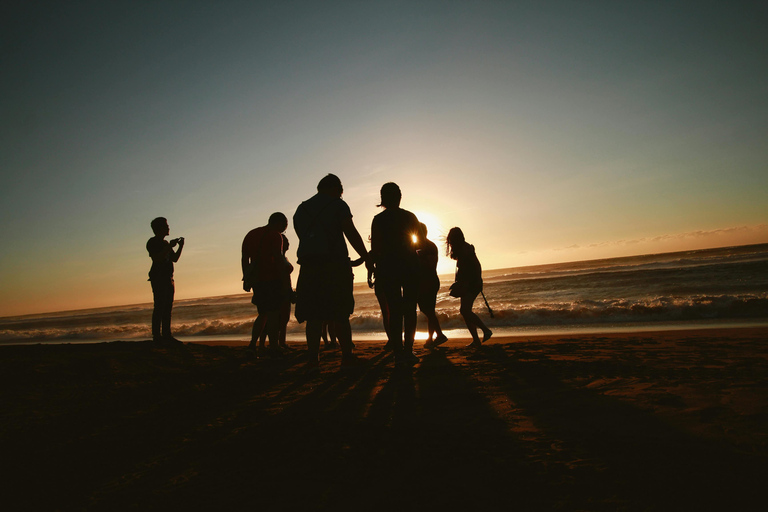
[(674, 420)]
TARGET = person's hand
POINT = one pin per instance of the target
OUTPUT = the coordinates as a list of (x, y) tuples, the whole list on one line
[(181, 241)]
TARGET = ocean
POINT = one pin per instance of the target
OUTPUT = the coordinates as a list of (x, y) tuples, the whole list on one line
[(691, 289)]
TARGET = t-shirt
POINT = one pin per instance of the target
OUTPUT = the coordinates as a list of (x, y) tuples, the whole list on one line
[(392, 234), (260, 246), (318, 222), (162, 269)]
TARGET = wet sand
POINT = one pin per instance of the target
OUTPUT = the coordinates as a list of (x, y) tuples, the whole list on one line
[(674, 420)]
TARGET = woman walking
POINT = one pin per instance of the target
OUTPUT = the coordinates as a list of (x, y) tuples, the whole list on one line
[(469, 283)]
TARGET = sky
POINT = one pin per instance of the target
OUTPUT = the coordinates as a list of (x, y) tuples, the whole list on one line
[(548, 131)]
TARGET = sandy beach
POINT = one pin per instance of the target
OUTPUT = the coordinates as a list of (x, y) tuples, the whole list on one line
[(674, 420)]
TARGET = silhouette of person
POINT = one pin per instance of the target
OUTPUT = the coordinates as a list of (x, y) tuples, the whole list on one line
[(285, 308), (429, 285), (161, 276), (329, 335), (324, 291), (468, 283), (395, 236), (264, 272)]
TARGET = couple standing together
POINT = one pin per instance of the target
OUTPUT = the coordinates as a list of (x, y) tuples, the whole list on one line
[(324, 291)]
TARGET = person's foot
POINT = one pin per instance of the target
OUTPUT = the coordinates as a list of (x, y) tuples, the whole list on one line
[(388, 346), (440, 340), (285, 346), (170, 340), (406, 357), (487, 335), (474, 344), (429, 344)]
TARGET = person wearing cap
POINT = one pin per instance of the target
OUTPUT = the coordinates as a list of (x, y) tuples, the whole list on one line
[(325, 284), (395, 237)]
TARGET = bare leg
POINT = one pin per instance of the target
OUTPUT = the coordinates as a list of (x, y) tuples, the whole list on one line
[(344, 335), (257, 330)]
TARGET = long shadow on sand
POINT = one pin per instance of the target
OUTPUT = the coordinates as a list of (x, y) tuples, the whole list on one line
[(627, 458)]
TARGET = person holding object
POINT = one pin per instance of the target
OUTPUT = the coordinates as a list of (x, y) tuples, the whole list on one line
[(161, 276), (468, 284)]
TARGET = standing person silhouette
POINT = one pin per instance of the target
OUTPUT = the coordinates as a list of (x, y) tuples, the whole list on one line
[(429, 285), (161, 276), (395, 236), (264, 271), (469, 283), (285, 308), (324, 291)]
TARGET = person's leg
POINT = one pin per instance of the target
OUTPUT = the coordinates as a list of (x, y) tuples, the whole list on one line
[(257, 332), (394, 299), (380, 297), (157, 311), (343, 332), (285, 316), (314, 329), (410, 294), (166, 305), (469, 317), (272, 328)]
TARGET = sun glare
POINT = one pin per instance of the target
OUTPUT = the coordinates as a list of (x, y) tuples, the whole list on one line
[(434, 226)]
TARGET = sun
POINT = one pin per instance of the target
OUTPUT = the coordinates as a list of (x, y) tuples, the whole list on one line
[(435, 230)]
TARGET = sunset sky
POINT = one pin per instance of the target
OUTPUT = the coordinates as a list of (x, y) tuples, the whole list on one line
[(549, 131)]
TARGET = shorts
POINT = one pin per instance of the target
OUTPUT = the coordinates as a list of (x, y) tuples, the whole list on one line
[(324, 290), (269, 296)]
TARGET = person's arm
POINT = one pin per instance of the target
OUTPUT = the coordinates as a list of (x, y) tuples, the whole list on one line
[(355, 240), (176, 255)]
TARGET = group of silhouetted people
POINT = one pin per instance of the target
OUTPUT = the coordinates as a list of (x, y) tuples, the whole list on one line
[(401, 266)]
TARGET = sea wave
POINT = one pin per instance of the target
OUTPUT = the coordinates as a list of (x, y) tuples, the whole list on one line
[(579, 312)]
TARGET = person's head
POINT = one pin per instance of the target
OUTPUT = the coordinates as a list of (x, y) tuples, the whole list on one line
[(390, 195), (278, 221), (331, 185), (454, 239), (160, 226)]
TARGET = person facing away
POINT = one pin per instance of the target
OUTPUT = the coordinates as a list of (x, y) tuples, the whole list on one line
[(325, 284), (264, 270), (429, 285), (161, 277), (468, 283), (395, 236)]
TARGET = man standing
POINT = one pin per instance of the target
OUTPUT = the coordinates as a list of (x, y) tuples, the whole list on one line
[(264, 271), (324, 288), (395, 237), (161, 276)]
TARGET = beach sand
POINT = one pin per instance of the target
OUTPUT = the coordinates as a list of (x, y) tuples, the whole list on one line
[(674, 420)]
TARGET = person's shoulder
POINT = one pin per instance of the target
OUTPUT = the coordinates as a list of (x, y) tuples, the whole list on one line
[(340, 204)]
